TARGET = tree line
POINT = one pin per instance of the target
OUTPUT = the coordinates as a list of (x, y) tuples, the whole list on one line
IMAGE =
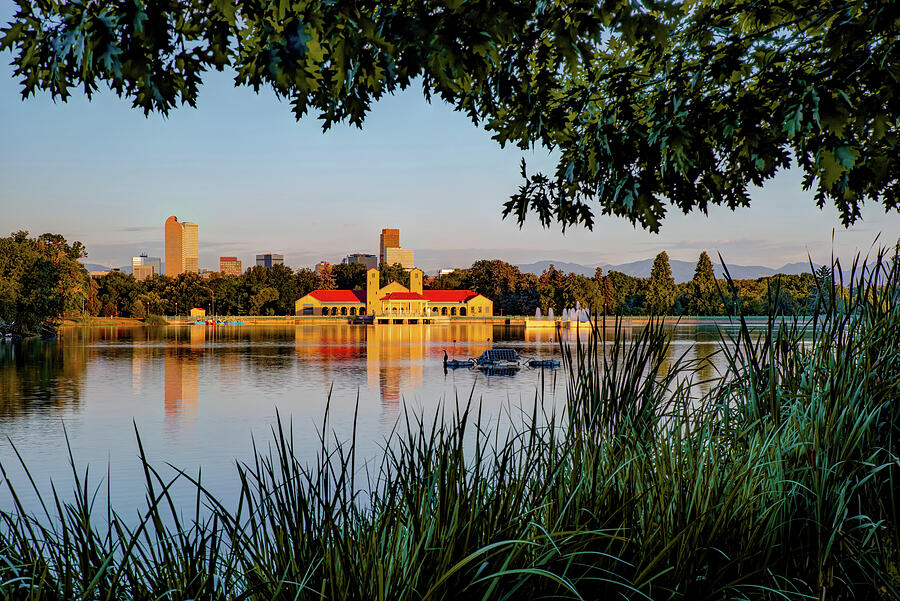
[(273, 291), (42, 280), (616, 293)]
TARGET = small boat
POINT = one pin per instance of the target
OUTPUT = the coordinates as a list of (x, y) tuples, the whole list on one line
[(454, 363), (499, 357), (552, 363)]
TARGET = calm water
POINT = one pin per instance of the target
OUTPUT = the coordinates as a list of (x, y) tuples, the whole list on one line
[(199, 395)]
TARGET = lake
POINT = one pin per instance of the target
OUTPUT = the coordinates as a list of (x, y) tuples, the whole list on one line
[(200, 395)]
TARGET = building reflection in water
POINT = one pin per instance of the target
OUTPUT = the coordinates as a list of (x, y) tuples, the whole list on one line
[(395, 355), (182, 372)]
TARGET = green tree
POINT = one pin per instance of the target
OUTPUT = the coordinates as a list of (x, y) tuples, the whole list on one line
[(350, 276), (138, 309), (661, 287), (393, 273), (703, 296), (228, 294), (261, 302), (627, 296), (40, 278), (682, 104), (458, 279), (120, 291), (306, 280), (607, 290), (152, 304)]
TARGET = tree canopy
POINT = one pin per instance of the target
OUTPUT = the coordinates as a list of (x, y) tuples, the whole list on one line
[(649, 105), (40, 279)]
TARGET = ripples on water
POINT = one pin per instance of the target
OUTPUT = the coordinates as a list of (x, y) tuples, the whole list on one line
[(199, 395)]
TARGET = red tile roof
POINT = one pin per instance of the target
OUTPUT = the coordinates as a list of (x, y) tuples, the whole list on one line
[(339, 296), (448, 296), (403, 296)]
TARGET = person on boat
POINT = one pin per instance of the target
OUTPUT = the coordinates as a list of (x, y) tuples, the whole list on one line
[(445, 357)]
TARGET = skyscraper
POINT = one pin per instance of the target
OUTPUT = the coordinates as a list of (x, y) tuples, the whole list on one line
[(181, 247), (390, 238)]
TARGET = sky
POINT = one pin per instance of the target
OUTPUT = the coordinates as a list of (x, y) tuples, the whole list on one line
[(256, 180)]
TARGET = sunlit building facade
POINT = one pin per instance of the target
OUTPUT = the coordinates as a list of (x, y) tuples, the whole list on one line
[(143, 267), (395, 300), (182, 243), (390, 238), (229, 266)]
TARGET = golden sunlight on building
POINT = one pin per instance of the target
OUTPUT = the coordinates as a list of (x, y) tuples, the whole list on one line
[(395, 303), (181, 247)]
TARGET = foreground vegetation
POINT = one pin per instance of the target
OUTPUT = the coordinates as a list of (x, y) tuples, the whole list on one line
[(778, 483)]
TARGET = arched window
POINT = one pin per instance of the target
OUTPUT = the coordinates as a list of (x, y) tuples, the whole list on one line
[(452, 310), (343, 310), (352, 310), (443, 310), (334, 310), (324, 310), (434, 309), (362, 310), (462, 310)]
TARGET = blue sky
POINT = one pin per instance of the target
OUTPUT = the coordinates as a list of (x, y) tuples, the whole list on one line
[(256, 180)]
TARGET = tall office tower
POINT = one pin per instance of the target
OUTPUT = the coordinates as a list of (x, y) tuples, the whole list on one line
[(191, 252), (269, 259), (390, 238), (174, 247), (229, 266), (181, 247)]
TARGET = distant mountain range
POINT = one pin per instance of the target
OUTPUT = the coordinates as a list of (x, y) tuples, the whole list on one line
[(682, 271)]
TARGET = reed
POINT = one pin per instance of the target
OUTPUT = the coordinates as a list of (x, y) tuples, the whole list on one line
[(778, 483)]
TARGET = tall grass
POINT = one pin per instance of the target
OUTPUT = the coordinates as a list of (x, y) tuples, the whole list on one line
[(778, 483)]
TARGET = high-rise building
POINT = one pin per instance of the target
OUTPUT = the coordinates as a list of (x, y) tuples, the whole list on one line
[(390, 238), (181, 247), (191, 250), (229, 266), (269, 259), (143, 267), (370, 261), (404, 256), (323, 266)]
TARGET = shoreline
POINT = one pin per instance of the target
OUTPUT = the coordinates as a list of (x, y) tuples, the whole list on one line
[(501, 320)]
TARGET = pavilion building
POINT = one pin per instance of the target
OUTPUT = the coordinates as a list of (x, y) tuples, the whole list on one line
[(395, 301)]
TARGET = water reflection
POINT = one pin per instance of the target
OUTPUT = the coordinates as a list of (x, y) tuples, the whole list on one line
[(198, 394), (393, 360), (39, 376)]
